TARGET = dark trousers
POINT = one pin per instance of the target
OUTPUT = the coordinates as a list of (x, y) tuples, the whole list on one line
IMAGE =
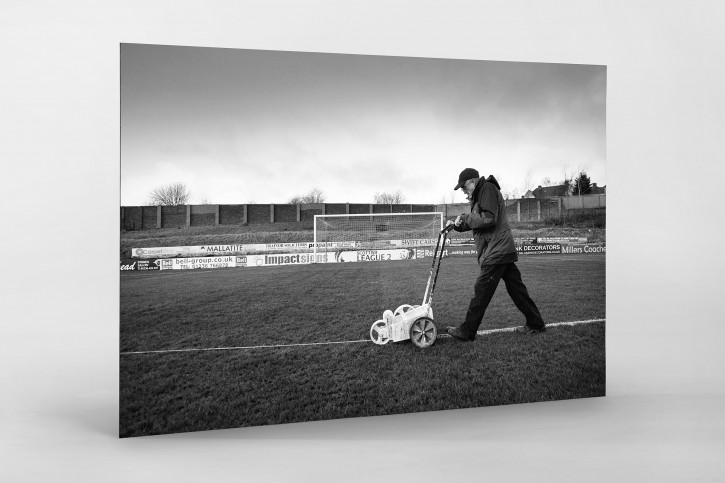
[(484, 289)]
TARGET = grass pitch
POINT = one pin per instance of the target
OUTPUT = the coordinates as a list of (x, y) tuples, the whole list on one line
[(259, 307)]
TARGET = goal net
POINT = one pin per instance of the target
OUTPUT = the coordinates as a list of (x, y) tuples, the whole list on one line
[(379, 231)]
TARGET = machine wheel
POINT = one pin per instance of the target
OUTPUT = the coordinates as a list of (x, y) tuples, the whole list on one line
[(423, 332), (379, 332)]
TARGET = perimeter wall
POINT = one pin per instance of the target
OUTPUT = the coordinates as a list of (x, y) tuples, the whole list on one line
[(518, 210)]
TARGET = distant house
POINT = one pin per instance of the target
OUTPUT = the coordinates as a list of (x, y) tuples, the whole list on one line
[(598, 190), (548, 191), (529, 194)]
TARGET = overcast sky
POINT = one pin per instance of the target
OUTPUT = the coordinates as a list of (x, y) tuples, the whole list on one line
[(250, 126)]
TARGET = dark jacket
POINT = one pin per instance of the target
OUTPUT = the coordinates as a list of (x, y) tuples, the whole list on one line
[(487, 219)]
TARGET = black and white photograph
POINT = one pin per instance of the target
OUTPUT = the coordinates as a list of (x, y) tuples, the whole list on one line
[(330, 241), (310, 236)]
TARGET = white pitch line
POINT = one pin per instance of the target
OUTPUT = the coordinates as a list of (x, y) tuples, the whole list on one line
[(275, 346), (555, 324), (279, 346)]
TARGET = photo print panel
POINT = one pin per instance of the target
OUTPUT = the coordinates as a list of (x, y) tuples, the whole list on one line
[(312, 236)]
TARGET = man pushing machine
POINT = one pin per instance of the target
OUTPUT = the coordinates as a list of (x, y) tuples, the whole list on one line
[(496, 253)]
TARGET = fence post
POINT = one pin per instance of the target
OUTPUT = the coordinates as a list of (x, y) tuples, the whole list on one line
[(347, 208), (518, 210), (299, 213), (188, 216), (245, 219), (538, 210), (560, 212), (158, 216), (271, 213), (216, 215)]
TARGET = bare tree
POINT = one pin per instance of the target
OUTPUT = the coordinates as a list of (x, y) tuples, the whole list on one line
[(314, 196), (568, 186), (448, 199), (527, 182), (204, 200), (387, 198), (506, 190), (567, 182), (172, 194)]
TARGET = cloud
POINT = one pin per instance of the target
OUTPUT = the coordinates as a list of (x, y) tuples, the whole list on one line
[(268, 125)]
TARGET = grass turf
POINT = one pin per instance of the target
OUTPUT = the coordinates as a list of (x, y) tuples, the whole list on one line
[(189, 391)]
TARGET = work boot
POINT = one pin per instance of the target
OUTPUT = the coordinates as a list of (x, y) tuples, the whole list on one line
[(456, 332)]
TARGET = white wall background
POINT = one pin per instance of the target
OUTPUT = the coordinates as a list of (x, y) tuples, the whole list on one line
[(59, 125)]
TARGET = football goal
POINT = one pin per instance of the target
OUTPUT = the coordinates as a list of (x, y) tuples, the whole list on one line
[(374, 231)]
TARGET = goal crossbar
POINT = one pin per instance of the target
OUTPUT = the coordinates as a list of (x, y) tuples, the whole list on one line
[(369, 231)]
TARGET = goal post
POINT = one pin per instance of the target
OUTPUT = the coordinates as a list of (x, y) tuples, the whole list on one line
[(373, 231)]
